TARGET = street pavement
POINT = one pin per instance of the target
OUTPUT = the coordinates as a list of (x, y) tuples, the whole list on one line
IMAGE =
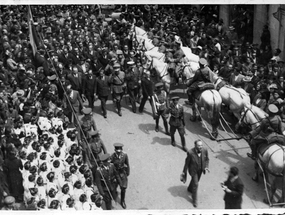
[(154, 181)]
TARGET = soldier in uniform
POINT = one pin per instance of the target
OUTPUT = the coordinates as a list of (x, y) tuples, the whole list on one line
[(133, 82), (87, 122), (177, 56), (118, 86), (97, 148), (177, 121), (106, 178), (162, 104), (269, 131), (201, 76), (121, 163)]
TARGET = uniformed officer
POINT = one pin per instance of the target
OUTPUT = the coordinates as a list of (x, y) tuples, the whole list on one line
[(88, 122), (118, 86), (201, 76), (106, 178), (162, 104), (133, 82), (97, 148), (177, 121), (269, 131), (121, 163)]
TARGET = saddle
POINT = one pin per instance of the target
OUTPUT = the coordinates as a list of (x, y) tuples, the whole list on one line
[(206, 86), (263, 148), (201, 88)]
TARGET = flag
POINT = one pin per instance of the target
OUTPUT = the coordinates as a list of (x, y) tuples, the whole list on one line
[(34, 40), (279, 13)]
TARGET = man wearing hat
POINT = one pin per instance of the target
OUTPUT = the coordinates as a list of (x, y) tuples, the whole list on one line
[(9, 204), (147, 87), (269, 131), (201, 76), (97, 148), (231, 35), (162, 104), (87, 122), (133, 82), (122, 166), (118, 86), (106, 178), (177, 121)]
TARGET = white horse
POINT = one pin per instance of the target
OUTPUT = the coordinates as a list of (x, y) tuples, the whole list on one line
[(140, 32), (162, 70), (155, 54), (146, 43)]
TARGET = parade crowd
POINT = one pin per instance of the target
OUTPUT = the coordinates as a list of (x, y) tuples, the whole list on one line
[(51, 159)]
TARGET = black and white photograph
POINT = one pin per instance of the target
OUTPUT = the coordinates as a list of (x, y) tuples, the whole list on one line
[(142, 107)]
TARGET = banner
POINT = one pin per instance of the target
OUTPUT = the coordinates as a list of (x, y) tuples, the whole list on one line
[(34, 40)]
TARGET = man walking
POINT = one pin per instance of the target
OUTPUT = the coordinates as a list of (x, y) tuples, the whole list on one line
[(122, 166), (177, 121), (196, 162), (233, 188)]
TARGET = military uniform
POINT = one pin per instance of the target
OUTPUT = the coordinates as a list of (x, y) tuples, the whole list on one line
[(177, 122), (118, 86), (121, 163), (201, 76), (87, 122), (161, 101), (132, 79), (97, 148), (269, 131), (106, 178)]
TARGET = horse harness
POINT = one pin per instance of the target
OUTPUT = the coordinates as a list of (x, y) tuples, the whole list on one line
[(243, 117), (165, 67)]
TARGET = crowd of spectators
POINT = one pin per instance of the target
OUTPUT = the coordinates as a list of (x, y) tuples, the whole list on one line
[(77, 41)]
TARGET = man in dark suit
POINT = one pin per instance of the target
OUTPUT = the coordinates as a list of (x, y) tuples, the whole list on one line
[(102, 90), (233, 188), (75, 79), (106, 179), (75, 102), (196, 162), (147, 87), (89, 85)]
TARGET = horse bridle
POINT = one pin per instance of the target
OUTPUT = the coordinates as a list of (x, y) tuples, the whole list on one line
[(243, 119)]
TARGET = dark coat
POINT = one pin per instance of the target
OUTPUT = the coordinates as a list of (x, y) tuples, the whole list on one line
[(89, 85), (102, 86), (192, 159), (233, 200), (147, 87), (122, 166)]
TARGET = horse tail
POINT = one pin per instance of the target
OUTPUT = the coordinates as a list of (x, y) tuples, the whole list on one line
[(215, 110)]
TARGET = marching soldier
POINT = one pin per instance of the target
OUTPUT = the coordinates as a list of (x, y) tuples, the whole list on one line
[(106, 178), (97, 148), (162, 105), (88, 122), (121, 163), (177, 121), (118, 86), (133, 82)]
